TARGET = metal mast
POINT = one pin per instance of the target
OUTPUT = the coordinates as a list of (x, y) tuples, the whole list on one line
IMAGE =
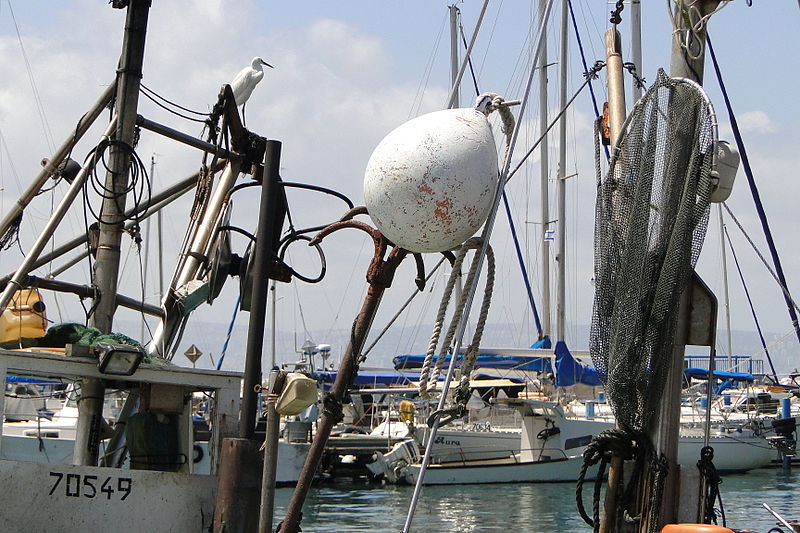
[(636, 45), (106, 268), (544, 170), (561, 184)]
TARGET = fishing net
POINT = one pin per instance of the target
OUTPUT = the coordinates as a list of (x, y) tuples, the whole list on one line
[(651, 217)]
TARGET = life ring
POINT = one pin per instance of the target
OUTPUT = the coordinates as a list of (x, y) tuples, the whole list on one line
[(198, 454)]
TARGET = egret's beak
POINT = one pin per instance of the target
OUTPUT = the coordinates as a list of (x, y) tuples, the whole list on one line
[(267, 64)]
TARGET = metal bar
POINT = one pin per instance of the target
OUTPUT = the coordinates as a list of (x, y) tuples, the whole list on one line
[(83, 125), (106, 267), (616, 85), (263, 253), (181, 137), (84, 291), (66, 202)]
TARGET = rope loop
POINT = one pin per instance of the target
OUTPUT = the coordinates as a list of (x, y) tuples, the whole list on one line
[(638, 80), (592, 73)]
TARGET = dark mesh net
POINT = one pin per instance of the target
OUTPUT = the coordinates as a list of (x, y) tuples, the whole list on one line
[(652, 212)]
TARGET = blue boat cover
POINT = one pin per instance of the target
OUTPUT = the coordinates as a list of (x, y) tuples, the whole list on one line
[(702, 373), (569, 371), (532, 363), (543, 343)]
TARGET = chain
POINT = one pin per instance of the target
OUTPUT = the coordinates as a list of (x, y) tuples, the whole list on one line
[(615, 15)]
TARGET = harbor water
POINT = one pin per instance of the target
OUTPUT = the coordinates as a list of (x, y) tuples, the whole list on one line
[(519, 508)]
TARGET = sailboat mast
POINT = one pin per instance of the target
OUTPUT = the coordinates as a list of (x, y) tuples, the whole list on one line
[(636, 45), (456, 100), (106, 268), (561, 183), (544, 170), (725, 294)]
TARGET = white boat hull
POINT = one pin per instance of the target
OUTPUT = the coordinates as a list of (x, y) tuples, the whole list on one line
[(486, 472)]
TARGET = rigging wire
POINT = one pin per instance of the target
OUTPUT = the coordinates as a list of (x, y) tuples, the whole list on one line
[(48, 135), (755, 194), (750, 303), (520, 258), (416, 103)]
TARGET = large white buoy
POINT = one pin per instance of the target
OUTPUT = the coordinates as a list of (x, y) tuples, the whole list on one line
[(429, 184)]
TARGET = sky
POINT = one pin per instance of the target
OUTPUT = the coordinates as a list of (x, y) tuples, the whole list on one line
[(346, 74)]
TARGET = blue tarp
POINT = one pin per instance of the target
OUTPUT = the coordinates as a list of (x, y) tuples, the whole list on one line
[(702, 373), (535, 364), (372, 378), (543, 343), (569, 371)]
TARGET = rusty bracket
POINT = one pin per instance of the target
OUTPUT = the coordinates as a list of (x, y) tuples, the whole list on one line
[(381, 271)]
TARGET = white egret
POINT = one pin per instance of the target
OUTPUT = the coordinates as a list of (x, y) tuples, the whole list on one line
[(247, 79)]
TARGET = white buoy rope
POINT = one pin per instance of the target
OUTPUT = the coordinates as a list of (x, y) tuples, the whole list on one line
[(429, 375)]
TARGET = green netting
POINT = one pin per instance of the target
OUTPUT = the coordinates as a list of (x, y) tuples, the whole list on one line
[(60, 335), (652, 212)]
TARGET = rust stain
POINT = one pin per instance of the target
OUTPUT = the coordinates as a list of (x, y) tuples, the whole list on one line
[(426, 189), (442, 210)]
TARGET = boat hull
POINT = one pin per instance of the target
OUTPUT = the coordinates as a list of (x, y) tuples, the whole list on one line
[(557, 470)]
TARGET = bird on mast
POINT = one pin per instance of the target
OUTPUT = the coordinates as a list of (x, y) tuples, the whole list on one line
[(246, 80)]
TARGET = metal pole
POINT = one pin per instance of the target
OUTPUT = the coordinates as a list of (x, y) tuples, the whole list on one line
[(181, 137), (544, 181), (147, 225), (271, 447), (106, 268), (636, 45), (454, 78), (725, 282), (262, 256), (616, 84), (561, 184), (274, 331), (55, 219), (83, 125), (457, 81)]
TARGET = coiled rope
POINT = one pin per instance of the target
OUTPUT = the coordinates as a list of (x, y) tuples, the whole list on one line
[(430, 372), (628, 445)]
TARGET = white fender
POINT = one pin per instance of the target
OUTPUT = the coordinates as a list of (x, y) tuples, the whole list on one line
[(429, 184)]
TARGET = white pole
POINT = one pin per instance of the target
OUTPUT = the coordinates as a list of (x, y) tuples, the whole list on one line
[(544, 170), (561, 184), (636, 45), (725, 281)]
